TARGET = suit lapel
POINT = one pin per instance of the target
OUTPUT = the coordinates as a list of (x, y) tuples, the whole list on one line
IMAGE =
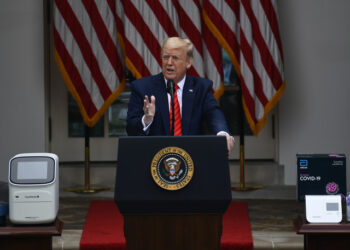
[(162, 105), (187, 104)]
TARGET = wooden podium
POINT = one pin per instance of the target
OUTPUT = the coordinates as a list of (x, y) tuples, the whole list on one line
[(29, 237), (187, 218), (172, 231)]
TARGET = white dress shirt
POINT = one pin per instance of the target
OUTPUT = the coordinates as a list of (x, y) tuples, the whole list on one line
[(179, 97)]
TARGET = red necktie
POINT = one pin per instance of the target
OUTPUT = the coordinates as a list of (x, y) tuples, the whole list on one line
[(178, 126)]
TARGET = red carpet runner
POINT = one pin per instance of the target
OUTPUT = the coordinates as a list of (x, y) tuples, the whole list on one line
[(103, 227)]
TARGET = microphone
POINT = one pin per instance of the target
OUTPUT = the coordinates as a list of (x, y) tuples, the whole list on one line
[(170, 89)]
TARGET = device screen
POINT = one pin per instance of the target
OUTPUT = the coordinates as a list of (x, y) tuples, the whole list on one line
[(32, 170), (332, 206)]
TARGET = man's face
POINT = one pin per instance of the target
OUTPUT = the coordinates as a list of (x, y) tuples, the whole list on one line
[(175, 63)]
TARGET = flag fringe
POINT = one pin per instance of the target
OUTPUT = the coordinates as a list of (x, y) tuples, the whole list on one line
[(89, 121), (222, 41), (256, 127)]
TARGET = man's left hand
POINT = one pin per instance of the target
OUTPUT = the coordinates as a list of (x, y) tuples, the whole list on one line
[(229, 139)]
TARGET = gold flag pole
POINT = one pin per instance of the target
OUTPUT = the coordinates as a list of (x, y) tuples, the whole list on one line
[(87, 188), (242, 186)]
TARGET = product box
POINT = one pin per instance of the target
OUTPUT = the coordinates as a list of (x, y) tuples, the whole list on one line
[(321, 174)]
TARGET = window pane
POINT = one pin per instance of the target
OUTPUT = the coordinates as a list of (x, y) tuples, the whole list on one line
[(76, 126), (230, 76), (117, 115), (230, 106)]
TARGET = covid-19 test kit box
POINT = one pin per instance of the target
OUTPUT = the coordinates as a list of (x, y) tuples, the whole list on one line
[(321, 174)]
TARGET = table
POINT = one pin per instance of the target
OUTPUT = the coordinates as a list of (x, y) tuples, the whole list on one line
[(29, 236), (323, 236)]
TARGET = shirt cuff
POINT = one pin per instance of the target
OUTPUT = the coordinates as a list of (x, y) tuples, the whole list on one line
[(145, 128), (222, 133)]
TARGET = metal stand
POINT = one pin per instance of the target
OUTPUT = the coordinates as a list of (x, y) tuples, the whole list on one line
[(242, 186), (87, 188)]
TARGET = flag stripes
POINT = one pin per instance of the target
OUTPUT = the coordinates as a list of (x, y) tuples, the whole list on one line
[(163, 20), (79, 86), (261, 62), (94, 40), (190, 27), (87, 53), (248, 31), (223, 21)]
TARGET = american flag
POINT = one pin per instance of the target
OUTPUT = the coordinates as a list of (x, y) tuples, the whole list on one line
[(88, 54), (248, 31), (135, 29)]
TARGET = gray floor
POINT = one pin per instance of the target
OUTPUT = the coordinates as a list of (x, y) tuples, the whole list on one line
[(270, 216), (265, 214)]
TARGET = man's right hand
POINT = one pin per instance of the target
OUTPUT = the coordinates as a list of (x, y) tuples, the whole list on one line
[(149, 109)]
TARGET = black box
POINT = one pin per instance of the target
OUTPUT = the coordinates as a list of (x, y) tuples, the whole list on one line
[(321, 174)]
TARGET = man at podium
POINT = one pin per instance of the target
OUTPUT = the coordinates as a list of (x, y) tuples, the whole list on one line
[(172, 102)]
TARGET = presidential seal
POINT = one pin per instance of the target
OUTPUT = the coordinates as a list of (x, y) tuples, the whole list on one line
[(172, 168)]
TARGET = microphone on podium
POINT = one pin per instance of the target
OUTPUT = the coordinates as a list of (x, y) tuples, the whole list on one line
[(170, 89)]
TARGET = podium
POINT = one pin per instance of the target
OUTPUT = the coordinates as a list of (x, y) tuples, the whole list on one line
[(172, 191)]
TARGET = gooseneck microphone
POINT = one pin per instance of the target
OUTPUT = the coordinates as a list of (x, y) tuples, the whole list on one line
[(170, 86)]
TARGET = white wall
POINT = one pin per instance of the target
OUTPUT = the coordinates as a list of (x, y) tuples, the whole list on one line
[(22, 97), (314, 112)]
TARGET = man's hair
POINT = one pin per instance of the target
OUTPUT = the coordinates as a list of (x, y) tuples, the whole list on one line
[(178, 42)]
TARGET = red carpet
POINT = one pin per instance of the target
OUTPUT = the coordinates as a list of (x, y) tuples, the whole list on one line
[(103, 227)]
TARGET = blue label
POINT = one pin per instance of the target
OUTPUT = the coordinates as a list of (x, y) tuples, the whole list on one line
[(303, 163)]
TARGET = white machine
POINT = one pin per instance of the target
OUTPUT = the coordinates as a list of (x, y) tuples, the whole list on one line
[(33, 188), (323, 208)]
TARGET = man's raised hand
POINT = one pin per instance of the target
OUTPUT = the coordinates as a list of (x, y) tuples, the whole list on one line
[(149, 109)]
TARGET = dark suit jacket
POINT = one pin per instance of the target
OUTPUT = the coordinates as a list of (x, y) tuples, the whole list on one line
[(198, 103)]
